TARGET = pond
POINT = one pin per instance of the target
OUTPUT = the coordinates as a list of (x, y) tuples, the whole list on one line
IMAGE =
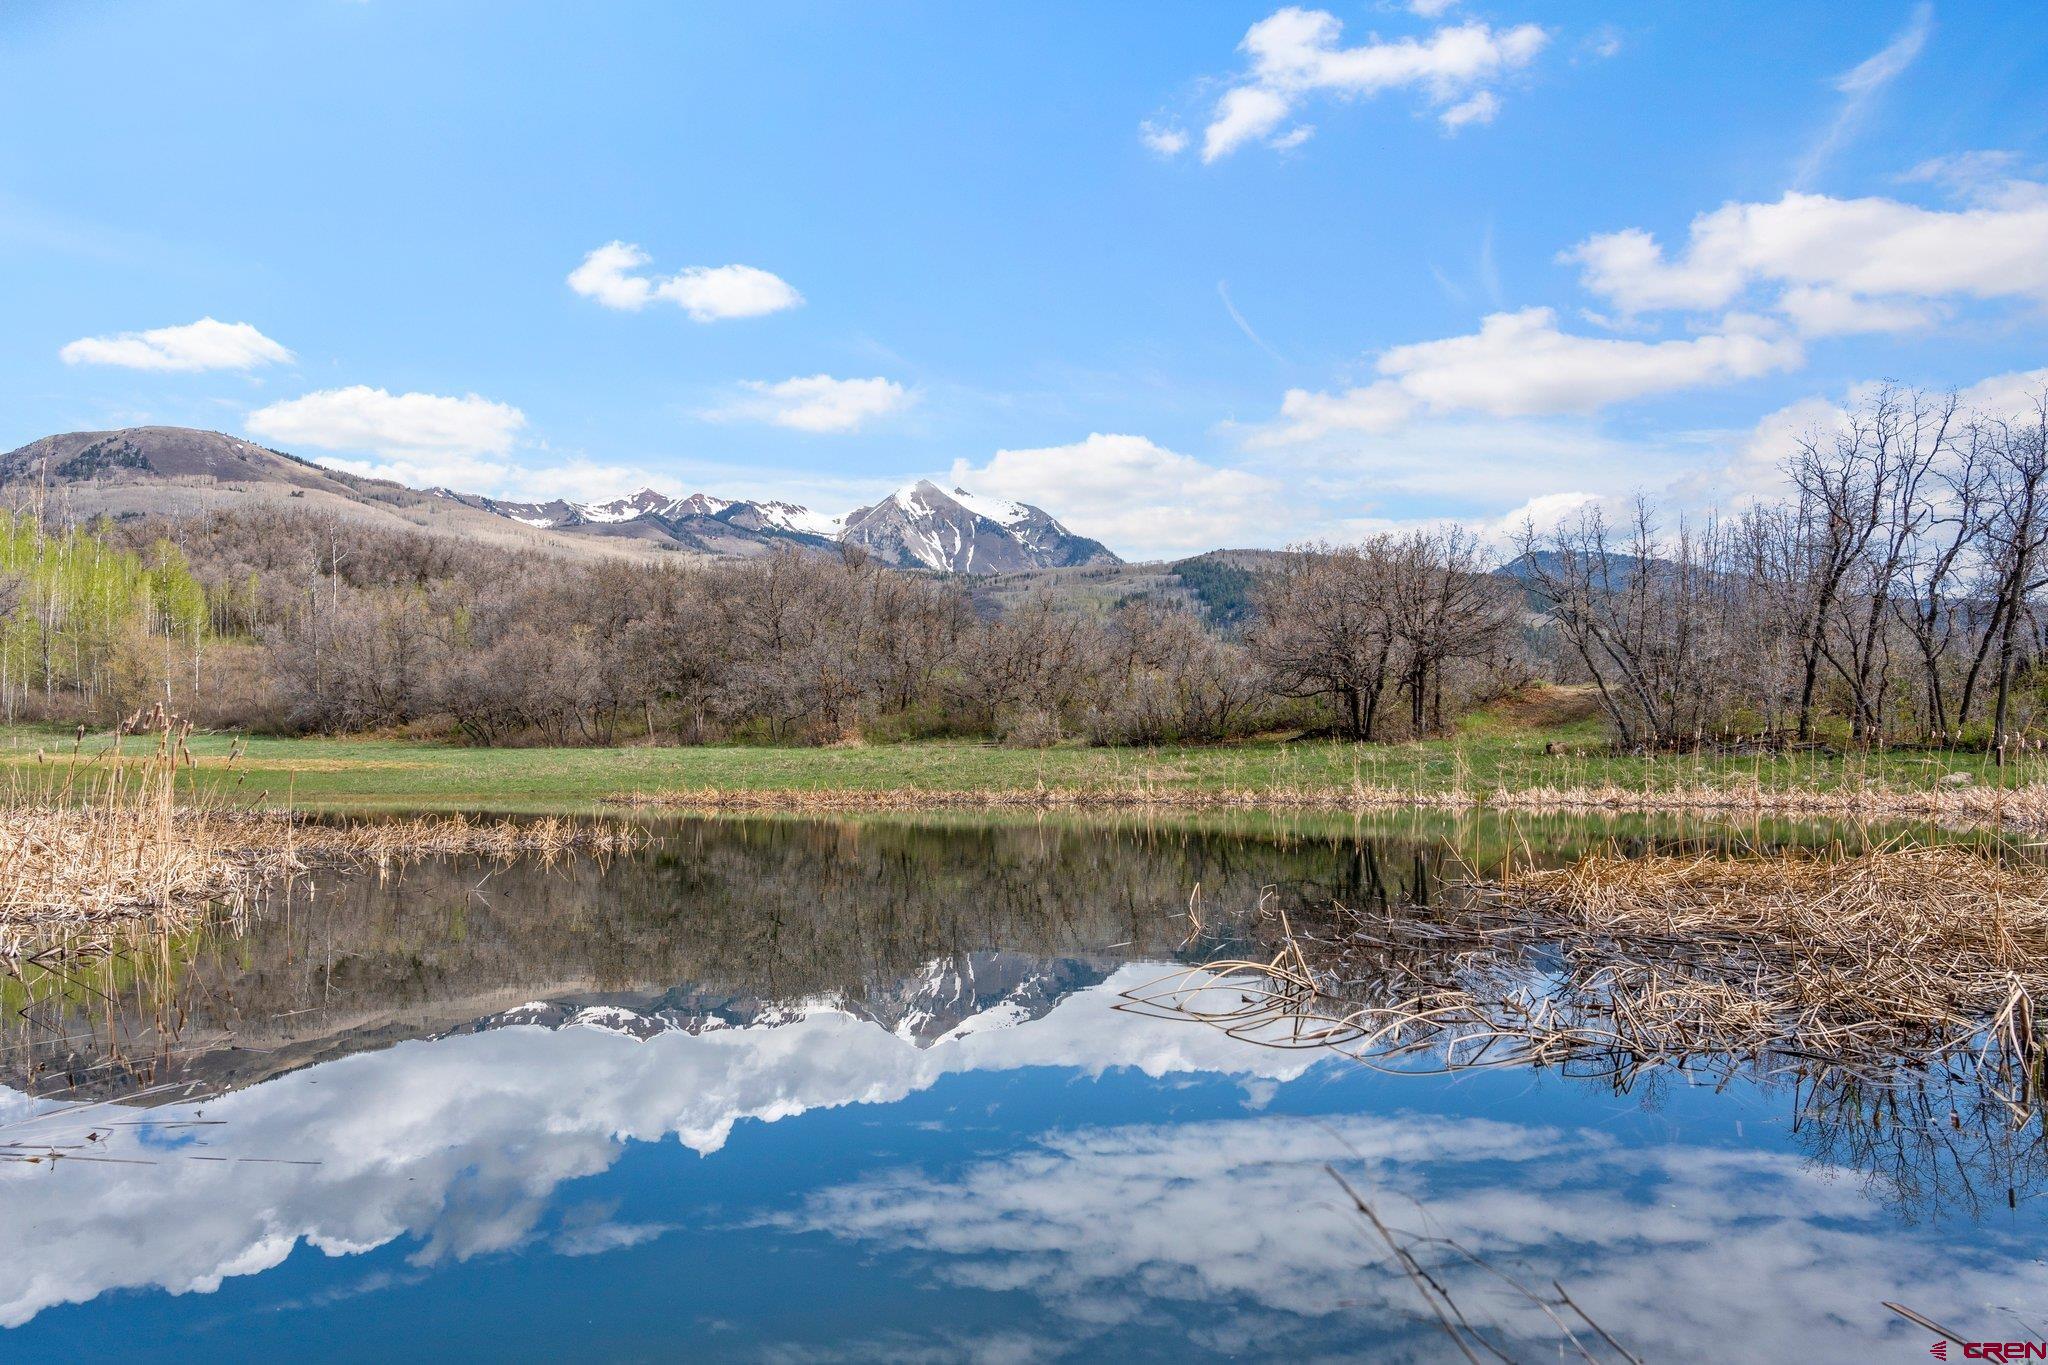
[(793, 1089)]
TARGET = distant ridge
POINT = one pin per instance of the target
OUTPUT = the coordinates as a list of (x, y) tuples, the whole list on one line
[(172, 470)]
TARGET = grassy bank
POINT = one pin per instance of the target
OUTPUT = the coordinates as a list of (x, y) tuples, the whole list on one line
[(1538, 750)]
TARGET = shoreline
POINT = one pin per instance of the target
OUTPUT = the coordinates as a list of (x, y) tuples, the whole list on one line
[(2022, 807)]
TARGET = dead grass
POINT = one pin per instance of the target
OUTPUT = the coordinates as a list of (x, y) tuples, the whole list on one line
[(1873, 967), (1542, 706), (105, 842)]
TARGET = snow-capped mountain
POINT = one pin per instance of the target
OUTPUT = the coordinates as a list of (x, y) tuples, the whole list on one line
[(920, 526), (700, 522), (159, 469)]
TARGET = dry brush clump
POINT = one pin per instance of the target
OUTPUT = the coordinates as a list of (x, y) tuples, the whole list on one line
[(1881, 967), (110, 842)]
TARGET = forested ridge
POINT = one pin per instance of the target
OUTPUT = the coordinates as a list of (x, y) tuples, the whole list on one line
[(1893, 597)]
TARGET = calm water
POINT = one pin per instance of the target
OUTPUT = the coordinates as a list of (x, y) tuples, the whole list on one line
[(860, 1091)]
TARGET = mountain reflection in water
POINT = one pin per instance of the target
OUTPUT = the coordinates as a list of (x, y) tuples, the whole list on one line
[(907, 1120)]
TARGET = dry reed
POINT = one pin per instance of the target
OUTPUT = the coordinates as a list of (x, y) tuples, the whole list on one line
[(110, 843), (1880, 965)]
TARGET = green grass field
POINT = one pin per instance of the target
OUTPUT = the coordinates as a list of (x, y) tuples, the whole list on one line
[(1504, 748)]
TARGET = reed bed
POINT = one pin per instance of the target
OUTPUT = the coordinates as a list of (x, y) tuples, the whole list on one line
[(2019, 807), (1878, 966), (108, 844)]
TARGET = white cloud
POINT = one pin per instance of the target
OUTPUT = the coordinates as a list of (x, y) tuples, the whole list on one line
[(1479, 109), (1242, 114), (429, 440), (1308, 416), (2006, 395), (1163, 138), (207, 344), (1863, 84), (1294, 54), (1819, 311), (1970, 175), (1754, 472), (1519, 364), (1431, 9), (360, 418), (816, 403), (1545, 512), (607, 276), (611, 275), (1858, 248), (709, 293), (1137, 496), (578, 480), (1476, 469)]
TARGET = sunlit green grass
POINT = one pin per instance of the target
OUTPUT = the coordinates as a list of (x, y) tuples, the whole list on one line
[(1489, 752)]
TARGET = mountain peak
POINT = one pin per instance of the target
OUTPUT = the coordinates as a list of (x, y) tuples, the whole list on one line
[(919, 526)]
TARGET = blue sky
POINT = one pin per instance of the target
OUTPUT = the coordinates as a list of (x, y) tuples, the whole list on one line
[(1187, 275)]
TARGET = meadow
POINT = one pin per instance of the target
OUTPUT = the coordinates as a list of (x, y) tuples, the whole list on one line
[(1544, 744)]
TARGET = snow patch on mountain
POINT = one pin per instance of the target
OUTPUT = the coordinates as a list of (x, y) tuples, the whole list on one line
[(919, 526)]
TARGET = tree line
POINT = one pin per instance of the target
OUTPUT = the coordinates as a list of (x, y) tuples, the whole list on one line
[(1892, 596)]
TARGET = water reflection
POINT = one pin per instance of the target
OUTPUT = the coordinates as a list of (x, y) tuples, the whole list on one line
[(764, 1066), (1672, 1245)]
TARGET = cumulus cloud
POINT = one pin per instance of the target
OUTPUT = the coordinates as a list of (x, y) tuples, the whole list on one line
[(430, 440), (612, 276), (1295, 54), (816, 403), (1164, 138), (2006, 396), (1856, 250), (1819, 311), (1479, 109), (1545, 512), (1307, 415), (361, 418), (1521, 364), (1130, 492), (207, 344)]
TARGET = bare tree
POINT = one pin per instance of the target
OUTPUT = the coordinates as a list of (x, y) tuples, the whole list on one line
[(1644, 615), (2016, 532), (1846, 480), (1444, 607), (1323, 627)]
